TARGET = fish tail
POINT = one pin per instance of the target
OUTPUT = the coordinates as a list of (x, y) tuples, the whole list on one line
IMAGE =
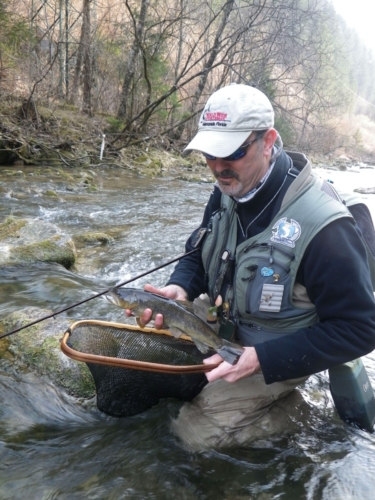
[(230, 352)]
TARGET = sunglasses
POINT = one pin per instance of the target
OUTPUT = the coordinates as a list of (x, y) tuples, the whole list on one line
[(238, 154)]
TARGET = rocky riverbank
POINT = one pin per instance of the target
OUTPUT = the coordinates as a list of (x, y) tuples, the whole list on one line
[(59, 136), (73, 154)]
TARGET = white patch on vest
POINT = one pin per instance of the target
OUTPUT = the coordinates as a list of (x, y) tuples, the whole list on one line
[(287, 233), (271, 298)]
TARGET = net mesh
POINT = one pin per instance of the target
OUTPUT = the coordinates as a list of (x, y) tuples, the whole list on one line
[(126, 391)]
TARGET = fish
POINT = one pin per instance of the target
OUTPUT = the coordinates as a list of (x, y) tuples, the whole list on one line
[(177, 319)]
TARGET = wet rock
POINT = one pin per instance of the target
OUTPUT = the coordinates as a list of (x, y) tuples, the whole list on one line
[(13, 173), (25, 241), (51, 192), (37, 349), (194, 178), (92, 238), (370, 190), (366, 166), (342, 166)]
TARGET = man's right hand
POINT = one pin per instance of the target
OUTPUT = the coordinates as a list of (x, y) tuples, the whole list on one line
[(173, 292)]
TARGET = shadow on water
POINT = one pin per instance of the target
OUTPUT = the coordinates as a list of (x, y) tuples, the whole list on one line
[(53, 446)]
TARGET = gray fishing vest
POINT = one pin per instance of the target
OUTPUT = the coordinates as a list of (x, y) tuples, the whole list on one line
[(265, 301)]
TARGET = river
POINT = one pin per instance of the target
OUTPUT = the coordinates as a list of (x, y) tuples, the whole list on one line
[(55, 447)]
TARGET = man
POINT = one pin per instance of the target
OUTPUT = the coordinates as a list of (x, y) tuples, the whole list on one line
[(282, 259)]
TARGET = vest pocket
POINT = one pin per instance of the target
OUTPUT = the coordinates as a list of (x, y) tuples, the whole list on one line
[(266, 288)]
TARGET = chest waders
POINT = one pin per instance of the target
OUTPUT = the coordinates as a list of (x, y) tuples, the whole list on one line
[(257, 279)]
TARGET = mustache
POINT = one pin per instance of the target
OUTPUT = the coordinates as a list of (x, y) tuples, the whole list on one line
[(228, 173)]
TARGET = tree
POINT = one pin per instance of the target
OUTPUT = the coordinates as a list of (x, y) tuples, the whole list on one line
[(136, 48), (13, 31), (84, 58), (155, 62)]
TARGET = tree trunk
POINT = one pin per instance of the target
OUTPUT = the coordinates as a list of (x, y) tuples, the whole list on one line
[(227, 9), (87, 66), (83, 56), (133, 53)]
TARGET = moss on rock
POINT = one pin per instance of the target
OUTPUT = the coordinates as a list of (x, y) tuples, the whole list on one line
[(10, 227), (44, 251), (25, 241), (13, 173), (92, 238), (37, 348), (51, 193)]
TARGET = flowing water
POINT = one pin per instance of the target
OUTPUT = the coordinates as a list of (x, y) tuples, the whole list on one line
[(55, 447)]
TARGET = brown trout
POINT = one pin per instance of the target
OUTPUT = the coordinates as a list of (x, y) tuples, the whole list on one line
[(177, 319)]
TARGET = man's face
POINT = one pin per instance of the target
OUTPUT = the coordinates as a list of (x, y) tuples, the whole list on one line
[(238, 177)]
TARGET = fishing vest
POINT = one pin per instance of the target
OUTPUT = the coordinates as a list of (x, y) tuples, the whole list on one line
[(263, 297)]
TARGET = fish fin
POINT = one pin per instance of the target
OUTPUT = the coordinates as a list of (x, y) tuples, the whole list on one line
[(230, 352), (176, 332), (187, 305), (139, 323), (202, 347)]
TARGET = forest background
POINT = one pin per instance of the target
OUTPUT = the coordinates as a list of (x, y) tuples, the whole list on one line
[(91, 79)]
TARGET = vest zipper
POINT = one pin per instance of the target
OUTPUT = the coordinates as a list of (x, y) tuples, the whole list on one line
[(213, 244), (220, 261)]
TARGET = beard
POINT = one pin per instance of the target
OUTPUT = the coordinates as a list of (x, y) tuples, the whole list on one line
[(226, 187)]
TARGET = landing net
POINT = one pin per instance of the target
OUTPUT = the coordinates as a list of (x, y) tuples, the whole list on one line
[(134, 368)]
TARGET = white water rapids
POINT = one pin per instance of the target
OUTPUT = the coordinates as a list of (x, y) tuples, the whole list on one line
[(54, 447)]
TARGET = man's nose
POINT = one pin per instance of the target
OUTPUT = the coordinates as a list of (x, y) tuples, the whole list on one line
[(219, 164)]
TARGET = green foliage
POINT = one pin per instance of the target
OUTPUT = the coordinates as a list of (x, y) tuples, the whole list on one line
[(111, 47), (171, 105), (286, 131), (358, 139), (115, 124), (268, 85), (2, 11), (13, 29), (14, 32), (157, 69)]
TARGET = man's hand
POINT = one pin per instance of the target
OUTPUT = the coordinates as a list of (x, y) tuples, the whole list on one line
[(247, 365), (173, 292)]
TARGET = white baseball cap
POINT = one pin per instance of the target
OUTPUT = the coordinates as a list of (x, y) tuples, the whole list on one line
[(228, 118)]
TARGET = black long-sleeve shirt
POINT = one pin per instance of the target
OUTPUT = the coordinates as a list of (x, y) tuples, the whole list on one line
[(335, 273)]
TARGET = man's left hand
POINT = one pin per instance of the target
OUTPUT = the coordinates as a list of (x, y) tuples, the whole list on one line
[(247, 365)]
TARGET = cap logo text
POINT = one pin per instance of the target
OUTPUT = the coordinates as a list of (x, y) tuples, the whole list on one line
[(214, 116)]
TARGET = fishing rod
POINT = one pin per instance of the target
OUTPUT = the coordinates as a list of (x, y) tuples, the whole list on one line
[(52, 315)]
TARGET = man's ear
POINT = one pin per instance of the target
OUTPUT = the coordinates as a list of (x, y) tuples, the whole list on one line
[(269, 140)]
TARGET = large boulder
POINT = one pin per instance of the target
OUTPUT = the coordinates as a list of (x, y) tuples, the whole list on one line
[(37, 349), (26, 241)]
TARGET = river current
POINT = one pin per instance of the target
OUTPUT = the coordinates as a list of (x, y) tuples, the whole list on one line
[(55, 447)]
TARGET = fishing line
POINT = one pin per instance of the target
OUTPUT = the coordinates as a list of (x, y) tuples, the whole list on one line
[(52, 315)]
